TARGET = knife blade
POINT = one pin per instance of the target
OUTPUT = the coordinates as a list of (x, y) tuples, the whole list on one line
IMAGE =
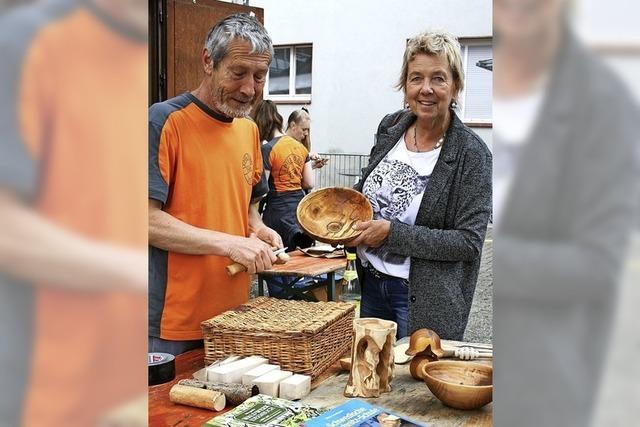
[(279, 251)]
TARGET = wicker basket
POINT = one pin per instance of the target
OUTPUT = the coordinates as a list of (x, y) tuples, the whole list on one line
[(303, 337)]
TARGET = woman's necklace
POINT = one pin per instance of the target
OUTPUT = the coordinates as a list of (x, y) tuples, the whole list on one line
[(435, 147)]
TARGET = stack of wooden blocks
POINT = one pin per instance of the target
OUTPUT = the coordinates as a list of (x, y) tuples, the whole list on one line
[(256, 370)]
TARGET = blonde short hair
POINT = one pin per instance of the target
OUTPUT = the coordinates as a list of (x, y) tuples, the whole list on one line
[(439, 43)]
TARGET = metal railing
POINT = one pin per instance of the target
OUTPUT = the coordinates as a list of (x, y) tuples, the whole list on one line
[(342, 170)]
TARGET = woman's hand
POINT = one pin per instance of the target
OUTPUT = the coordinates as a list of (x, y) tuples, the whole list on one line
[(374, 233)]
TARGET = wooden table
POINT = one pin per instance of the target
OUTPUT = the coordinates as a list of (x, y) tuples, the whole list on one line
[(408, 397), (301, 265)]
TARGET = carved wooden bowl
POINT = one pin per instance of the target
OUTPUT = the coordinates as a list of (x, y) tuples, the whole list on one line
[(329, 214), (458, 384)]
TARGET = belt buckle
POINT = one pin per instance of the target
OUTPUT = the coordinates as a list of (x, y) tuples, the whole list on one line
[(375, 273)]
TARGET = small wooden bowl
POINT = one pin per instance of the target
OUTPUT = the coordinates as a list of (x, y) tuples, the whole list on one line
[(458, 384), (329, 214)]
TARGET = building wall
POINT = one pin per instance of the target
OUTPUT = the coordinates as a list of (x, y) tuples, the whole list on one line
[(357, 55)]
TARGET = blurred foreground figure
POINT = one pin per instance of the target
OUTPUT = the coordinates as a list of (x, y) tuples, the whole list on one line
[(564, 193), (73, 90)]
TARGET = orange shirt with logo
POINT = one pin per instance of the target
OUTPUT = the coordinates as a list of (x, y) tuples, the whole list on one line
[(285, 158), (205, 169)]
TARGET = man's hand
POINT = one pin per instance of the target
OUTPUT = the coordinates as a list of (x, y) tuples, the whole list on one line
[(251, 252), (374, 233), (268, 235), (317, 161)]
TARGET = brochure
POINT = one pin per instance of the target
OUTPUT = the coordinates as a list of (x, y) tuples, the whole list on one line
[(265, 411), (358, 413)]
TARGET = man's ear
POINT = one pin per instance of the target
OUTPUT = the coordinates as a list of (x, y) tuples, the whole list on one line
[(207, 62)]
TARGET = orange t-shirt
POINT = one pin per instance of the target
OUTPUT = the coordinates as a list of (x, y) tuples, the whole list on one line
[(285, 157), (81, 111), (205, 169)]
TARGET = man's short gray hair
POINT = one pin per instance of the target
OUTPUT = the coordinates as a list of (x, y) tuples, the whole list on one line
[(238, 26)]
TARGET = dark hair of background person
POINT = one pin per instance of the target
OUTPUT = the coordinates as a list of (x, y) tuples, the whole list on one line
[(268, 120)]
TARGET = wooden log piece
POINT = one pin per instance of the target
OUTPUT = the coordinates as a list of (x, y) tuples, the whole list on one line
[(236, 268), (235, 394), (198, 397)]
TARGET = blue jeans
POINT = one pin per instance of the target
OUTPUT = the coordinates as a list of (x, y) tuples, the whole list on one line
[(159, 345), (386, 298)]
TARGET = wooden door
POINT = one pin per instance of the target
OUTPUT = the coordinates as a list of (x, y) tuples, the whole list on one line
[(186, 24)]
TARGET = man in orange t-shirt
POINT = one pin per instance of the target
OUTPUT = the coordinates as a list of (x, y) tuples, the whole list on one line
[(205, 178)]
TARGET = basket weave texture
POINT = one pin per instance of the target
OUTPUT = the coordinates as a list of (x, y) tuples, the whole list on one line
[(303, 337)]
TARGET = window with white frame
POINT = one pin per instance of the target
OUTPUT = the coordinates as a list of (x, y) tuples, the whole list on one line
[(289, 76), (476, 98)]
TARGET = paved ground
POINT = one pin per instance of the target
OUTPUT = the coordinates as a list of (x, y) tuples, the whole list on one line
[(480, 326)]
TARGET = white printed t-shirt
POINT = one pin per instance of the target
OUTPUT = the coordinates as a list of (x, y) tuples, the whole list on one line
[(395, 188)]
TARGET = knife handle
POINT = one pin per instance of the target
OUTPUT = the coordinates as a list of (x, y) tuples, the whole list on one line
[(236, 268)]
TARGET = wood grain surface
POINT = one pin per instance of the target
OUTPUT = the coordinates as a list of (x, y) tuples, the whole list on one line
[(301, 265), (408, 397)]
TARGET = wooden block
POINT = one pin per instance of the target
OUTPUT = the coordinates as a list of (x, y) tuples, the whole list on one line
[(203, 374), (295, 387), (258, 371), (269, 383), (232, 372)]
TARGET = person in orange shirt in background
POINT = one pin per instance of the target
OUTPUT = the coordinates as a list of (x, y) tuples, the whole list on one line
[(73, 270), (205, 179), (289, 170), (299, 128)]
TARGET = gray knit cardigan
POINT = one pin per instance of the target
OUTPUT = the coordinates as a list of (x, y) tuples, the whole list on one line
[(445, 244)]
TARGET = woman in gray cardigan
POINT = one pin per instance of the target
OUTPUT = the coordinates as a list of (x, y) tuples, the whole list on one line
[(429, 182)]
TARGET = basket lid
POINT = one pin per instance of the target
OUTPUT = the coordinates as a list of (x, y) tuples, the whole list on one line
[(265, 314)]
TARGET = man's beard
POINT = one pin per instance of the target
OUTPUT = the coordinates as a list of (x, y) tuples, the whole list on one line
[(228, 111)]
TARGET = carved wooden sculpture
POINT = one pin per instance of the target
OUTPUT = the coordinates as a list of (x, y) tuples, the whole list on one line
[(372, 357)]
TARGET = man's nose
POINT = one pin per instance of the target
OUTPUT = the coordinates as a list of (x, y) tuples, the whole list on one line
[(248, 88)]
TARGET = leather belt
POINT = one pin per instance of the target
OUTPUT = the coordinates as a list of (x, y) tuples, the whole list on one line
[(378, 274)]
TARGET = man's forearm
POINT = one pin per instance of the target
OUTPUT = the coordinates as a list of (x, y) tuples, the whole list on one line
[(39, 252), (171, 234)]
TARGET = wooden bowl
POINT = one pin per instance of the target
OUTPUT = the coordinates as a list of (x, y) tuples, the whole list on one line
[(329, 214), (458, 384)]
